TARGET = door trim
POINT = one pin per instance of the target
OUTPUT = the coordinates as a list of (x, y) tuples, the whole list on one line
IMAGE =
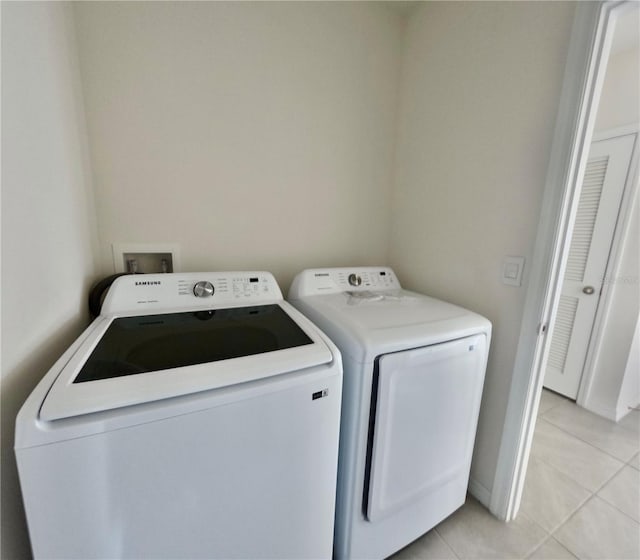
[(589, 48)]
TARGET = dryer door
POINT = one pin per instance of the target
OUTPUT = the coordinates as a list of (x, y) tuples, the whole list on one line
[(425, 421)]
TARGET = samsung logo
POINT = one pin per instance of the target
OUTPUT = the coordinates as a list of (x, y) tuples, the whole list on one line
[(148, 283)]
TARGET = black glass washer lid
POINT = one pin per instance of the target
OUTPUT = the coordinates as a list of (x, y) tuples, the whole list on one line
[(134, 345)]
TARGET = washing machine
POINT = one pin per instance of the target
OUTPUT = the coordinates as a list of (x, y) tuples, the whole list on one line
[(196, 417), (413, 375)]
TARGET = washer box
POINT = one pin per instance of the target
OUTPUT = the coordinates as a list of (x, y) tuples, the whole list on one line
[(185, 422)]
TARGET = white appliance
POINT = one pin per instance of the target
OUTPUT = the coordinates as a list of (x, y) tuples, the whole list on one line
[(196, 417), (413, 374)]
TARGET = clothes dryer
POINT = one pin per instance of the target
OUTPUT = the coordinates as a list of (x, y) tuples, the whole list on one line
[(196, 417), (414, 368)]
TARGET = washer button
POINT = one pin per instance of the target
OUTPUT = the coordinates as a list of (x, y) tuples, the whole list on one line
[(355, 279)]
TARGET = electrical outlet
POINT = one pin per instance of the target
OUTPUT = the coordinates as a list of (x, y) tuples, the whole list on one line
[(145, 258)]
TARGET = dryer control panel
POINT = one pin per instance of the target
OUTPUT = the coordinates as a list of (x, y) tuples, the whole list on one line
[(333, 280), (193, 290)]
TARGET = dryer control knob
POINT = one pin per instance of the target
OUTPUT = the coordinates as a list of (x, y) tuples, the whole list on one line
[(203, 289), (355, 280)]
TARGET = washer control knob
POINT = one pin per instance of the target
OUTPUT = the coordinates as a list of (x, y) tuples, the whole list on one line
[(355, 279), (203, 289)]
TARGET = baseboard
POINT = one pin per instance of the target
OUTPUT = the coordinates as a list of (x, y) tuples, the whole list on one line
[(480, 493), (608, 412)]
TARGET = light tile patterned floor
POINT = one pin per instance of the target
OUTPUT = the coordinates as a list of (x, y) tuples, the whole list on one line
[(581, 499)]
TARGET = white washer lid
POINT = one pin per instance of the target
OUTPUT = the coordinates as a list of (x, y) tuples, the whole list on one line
[(68, 399)]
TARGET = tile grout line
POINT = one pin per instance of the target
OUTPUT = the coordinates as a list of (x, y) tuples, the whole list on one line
[(547, 537), (545, 541), (613, 505), (590, 498), (596, 417), (445, 541), (555, 531), (589, 443), (633, 466), (591, 492), (573, 512), (541, 414), (618, 469), (610, 478)]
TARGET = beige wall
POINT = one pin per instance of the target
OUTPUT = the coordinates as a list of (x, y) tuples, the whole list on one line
[(619, 105), (481, 84), (255, 135), (263, 135), (48, 232)]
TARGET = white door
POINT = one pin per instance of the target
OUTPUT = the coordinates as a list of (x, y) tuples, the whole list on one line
[(596, 219)]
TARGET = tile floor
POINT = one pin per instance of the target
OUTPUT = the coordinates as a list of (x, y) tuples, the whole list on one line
[(581, 498)]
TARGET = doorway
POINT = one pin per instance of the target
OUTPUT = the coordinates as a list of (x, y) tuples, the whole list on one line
[(591, 41), (591, 270), (600, 209)]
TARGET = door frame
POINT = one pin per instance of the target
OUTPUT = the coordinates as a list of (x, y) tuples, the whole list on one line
[(629, 198), (589, 48)]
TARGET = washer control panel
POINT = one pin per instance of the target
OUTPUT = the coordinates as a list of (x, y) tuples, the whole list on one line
[(195, 290), (334, 280)]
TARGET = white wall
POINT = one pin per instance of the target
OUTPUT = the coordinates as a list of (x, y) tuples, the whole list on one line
[(481, 84), (255, 135), (48, 233)]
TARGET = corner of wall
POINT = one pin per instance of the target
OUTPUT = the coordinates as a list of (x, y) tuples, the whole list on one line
[(48, 219)]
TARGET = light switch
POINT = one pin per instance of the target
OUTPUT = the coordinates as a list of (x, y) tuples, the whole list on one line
[(512, 268)]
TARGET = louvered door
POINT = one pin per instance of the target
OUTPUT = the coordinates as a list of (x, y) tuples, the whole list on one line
[(596, 219)]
